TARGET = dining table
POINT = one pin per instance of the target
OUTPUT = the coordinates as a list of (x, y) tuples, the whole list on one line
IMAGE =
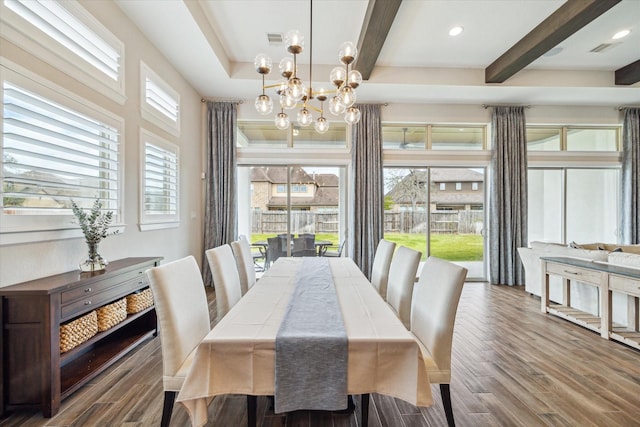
[(240, 354)]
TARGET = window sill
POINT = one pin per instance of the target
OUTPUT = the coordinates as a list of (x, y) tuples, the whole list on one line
[(148, 226), (17, 237)]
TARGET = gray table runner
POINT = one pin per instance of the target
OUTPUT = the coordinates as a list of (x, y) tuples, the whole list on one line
[(311, 344)]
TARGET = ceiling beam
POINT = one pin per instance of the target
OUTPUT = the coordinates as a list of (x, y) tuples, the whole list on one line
[(375, 28), (569, 18), (629, 74)]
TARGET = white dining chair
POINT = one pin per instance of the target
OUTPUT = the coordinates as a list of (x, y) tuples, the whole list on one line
[(381, 265), (226, 279), (244, 262), (402, 276), (433, 314), (183, 321)]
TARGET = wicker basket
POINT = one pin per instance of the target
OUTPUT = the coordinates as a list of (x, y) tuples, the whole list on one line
[(138, 301), (111, 314), (74, 333)]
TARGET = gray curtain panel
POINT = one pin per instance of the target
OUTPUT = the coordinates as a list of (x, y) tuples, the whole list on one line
[(220, 212), (508, 195), (631, 176), (367, 207)]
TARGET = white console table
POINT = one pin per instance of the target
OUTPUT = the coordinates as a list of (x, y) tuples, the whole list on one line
[(607, 278)]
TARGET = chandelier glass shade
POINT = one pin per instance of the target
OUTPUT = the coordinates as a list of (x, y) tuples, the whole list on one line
[(293, 92)]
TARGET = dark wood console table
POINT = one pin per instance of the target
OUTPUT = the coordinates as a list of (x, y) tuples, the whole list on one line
[(34, 373)]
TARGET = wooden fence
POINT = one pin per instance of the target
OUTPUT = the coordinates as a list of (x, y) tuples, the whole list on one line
[(458, 222)]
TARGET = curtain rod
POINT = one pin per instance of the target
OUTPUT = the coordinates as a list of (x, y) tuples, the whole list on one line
[(236, 101), (485, 106), (624, 107)]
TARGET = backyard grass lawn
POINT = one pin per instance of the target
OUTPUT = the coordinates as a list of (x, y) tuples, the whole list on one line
[(452, 247)]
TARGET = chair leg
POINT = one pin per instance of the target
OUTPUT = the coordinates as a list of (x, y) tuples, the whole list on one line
[(364, 402), (167, 408), (446, 402), (252, 404)]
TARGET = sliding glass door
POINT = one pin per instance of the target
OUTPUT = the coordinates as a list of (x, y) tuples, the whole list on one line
[(438, 211), (290, 203)]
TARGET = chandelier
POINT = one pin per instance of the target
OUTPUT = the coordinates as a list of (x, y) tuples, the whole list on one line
[(293, 93)]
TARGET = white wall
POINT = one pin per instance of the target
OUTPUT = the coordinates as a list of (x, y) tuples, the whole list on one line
[(21, 262)]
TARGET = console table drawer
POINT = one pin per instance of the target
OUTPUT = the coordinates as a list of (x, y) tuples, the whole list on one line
[(97, 299), (575, 273), (624, 284), (88, 291)]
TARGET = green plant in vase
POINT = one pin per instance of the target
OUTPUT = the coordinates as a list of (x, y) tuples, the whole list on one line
[(95, 227)]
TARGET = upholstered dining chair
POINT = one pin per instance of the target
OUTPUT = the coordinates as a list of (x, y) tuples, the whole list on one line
[(381, 265), (183, 321), (402, 276), (433, 314), (226, 279), (244, 261)]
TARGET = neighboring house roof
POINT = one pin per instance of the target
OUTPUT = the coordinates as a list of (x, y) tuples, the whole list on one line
[(456, 175), (458, 198), (327, 196), (278, 175), (326, 180), (448, 196)]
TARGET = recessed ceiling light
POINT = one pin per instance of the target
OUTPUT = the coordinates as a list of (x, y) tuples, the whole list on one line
[(456, 31), (621, 34)]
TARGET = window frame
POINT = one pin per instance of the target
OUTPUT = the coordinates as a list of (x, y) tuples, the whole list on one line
[(38, 43), (35, 228), (157, 221)]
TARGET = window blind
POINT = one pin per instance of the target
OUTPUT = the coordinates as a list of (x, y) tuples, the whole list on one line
[(161, 100), (52, 154), (61, 25), (160, 182)]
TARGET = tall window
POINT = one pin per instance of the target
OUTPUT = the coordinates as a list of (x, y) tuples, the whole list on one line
[(434, 137), (160, 174), (53, 153), (561, 196), (66, 36), (160, 103)]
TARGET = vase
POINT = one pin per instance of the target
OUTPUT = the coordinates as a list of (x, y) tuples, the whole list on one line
[(94, 261)]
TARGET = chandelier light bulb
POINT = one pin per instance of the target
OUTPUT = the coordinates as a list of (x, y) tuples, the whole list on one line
[(335, 106), (352, 115), (347, 53), (282, 121), (338, 75), (287, 102), (263, 104), (262, 63), (322, 125), (294, 41), (347, 96), (286, 67), (304, 117), (297, 89), (355, 78)]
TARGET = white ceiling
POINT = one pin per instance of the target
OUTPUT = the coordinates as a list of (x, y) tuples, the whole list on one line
[(213, 43)]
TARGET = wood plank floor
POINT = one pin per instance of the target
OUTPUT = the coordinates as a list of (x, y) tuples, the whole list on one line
[(512, 366)]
